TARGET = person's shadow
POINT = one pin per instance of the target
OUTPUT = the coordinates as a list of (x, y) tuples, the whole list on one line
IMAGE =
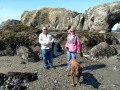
[(88, 78), (94, 67)]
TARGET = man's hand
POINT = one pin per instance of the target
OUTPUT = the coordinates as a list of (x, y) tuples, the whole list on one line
[(49, 43)]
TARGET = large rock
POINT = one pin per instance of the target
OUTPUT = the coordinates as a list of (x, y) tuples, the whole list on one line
[(99, 18), (8, 22), (102, 50), (102, 17), (118, 27), (55, 18)]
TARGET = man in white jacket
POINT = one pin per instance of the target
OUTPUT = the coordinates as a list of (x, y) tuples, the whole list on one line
[(46, 39)]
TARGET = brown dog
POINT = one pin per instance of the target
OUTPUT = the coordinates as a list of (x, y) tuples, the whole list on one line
[(74, 70)]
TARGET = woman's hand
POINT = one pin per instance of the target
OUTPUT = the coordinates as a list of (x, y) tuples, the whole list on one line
[(78, 51), (66, 48)]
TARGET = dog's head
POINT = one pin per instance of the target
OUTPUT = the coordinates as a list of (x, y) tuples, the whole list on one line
[(75, 70)]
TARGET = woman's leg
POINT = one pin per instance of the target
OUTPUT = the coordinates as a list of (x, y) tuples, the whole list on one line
[(69, 57), (73, 55)]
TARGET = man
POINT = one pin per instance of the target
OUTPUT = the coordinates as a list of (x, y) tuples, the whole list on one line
[(46, 40)]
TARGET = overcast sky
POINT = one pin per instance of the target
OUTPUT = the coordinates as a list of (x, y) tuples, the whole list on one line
[(12, 9)]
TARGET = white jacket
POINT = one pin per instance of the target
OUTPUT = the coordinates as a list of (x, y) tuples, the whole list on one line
[(44, 39)]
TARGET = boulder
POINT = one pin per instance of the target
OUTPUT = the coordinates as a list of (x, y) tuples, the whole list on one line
[(102, 50)]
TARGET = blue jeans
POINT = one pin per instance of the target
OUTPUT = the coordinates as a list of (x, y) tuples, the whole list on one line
[(70, 55), (47, 56)]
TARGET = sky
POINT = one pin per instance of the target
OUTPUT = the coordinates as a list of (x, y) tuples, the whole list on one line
[(13, 9)]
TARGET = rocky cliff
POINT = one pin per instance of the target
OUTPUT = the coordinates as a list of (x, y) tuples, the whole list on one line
[(102, 17), (118, 27), (55, 18), (99, 18)]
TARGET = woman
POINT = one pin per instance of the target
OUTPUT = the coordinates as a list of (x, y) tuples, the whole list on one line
[(72, 45)]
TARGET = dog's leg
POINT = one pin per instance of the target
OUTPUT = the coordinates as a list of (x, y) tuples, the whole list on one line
[(68, 71), (80, 72), (73, 83), (78, 82)]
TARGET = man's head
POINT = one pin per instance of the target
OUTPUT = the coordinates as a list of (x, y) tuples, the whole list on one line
[(44, 30)]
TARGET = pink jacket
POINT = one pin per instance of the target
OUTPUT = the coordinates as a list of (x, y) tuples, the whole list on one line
[(72, 43)]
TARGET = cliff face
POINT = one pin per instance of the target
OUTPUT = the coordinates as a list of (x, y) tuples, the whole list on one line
[(102, 17), (99, 18), (118, 27), (56, 19)]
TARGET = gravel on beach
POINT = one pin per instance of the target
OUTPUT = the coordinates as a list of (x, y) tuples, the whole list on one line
[(103, 74)]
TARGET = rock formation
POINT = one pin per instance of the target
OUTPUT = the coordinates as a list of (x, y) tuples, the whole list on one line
[(102, 17), (55, 18), (9, 22), (118, 27), (102, 50), (99, 18)]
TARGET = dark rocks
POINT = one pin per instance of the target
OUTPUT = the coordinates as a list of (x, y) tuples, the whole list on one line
[(14, 80), (9, 22), (89, 40), (3, 77)]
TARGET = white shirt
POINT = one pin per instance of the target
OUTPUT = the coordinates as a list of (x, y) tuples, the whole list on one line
[(44, 39)]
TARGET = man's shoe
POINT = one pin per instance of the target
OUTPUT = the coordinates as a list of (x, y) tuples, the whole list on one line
[(51, 66), (46, 67)]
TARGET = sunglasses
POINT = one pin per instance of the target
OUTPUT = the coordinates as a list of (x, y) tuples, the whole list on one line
[(44, 29), (72, 31)]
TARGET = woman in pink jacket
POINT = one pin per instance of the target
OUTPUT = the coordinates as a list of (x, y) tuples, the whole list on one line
[(72, 45)]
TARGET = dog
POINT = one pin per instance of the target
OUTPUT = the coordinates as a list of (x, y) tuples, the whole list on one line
[(75, 70)]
